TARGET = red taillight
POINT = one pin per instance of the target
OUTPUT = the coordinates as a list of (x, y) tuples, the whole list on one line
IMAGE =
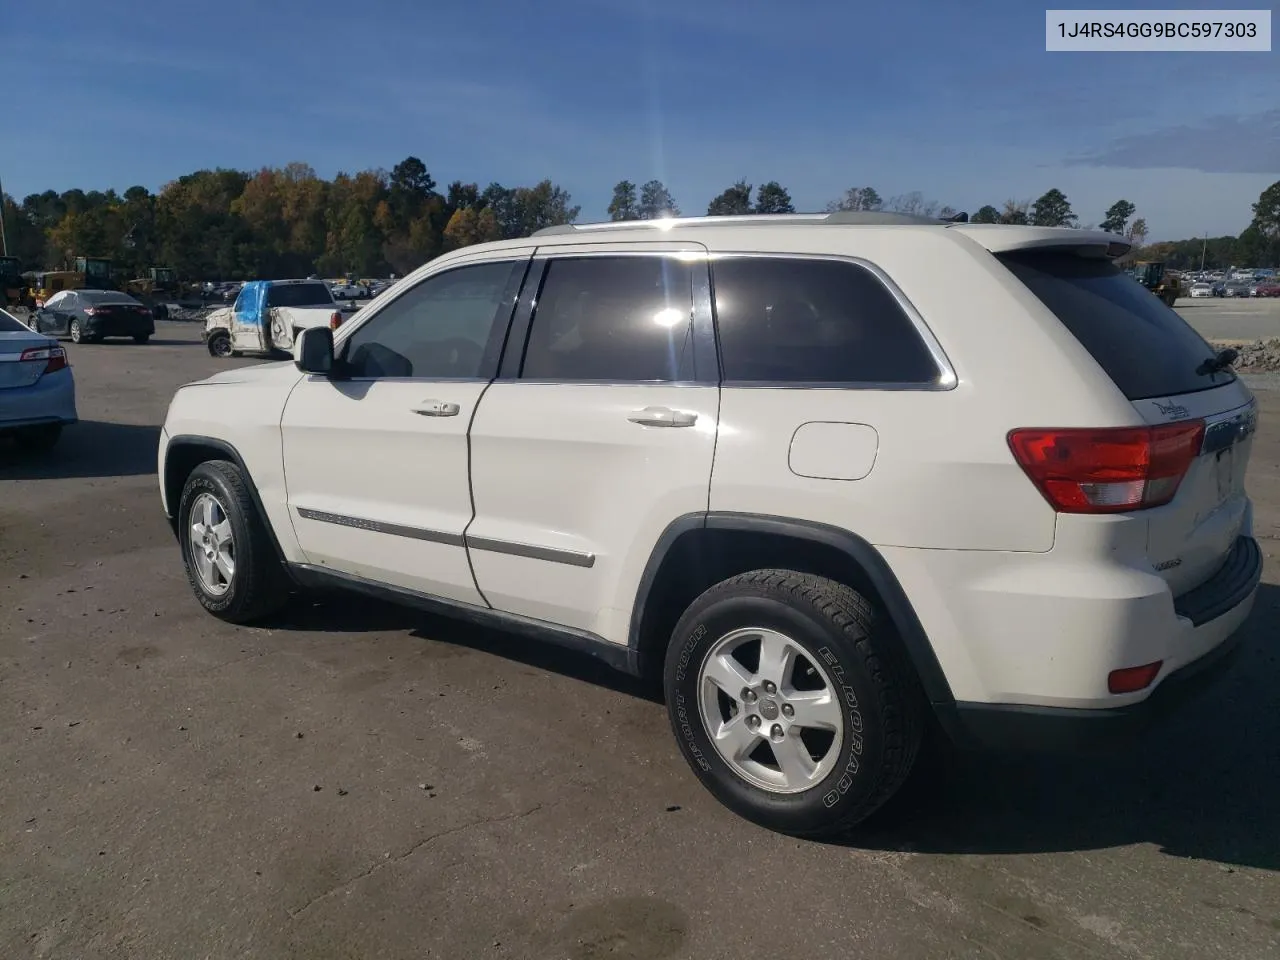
[(1110, 470), (1133, 679), (55, 357), (335, 320)]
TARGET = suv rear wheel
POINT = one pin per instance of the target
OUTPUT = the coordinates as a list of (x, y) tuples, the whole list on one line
[(788, 704), (230, 563)]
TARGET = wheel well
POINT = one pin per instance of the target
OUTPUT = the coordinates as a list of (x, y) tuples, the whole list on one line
[(179, 461), (702, 557)]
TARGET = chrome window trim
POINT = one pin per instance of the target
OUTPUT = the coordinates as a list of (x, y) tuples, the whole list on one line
[(946, 379)]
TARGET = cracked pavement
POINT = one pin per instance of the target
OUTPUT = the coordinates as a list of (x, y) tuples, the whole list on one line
[(358, 781)]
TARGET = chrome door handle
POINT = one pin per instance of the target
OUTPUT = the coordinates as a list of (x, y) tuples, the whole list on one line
[(437, 408), (663, 417)]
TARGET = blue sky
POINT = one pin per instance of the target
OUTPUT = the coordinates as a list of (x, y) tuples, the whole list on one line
[(958, 101)]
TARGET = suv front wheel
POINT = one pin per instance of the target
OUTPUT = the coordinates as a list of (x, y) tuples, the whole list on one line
[(789, 704), (229, 559)]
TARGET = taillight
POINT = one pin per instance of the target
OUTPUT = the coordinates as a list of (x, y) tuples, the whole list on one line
[(93, 311), (55, 357), (1110, 470), (335, 320)]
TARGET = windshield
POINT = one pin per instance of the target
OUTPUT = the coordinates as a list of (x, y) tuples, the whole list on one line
[(11, 324), (98, 269), (1146, 348), (299, 295)]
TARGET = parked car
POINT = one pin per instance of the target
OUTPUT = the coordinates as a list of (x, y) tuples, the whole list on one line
[(1236, 288), (1270, 288), (1201, 290), (90, 316), (267, 316), (37, 389), (348, 291), (572, 436)]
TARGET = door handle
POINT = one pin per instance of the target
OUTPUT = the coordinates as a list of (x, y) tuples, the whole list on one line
[(663, 417), (437, 408)]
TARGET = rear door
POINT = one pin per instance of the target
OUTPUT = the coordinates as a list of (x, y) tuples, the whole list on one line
[(54, 317), (599, 432), (1165, 369)]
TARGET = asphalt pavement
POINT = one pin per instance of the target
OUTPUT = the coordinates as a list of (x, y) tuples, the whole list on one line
[(359, 781), (1237, 318)]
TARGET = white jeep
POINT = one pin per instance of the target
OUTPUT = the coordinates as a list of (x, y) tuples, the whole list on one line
[(833, 476)]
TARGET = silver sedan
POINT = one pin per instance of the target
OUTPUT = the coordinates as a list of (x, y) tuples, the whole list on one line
[(37, 390)]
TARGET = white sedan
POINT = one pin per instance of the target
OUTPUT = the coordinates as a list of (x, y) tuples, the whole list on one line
[(1202, 290)]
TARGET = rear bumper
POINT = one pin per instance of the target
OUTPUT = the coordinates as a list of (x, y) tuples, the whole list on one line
[(1217, 608), (51, 399), (119, 326)]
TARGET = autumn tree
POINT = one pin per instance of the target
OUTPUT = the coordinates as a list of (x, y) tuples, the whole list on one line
[(470, 225)]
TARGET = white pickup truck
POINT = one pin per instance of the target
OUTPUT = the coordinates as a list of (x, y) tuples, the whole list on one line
[(268, 316)]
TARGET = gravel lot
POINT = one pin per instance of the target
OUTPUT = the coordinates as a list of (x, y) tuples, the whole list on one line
[(359, 781)]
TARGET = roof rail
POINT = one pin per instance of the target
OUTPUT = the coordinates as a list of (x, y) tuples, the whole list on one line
[(863, 217)]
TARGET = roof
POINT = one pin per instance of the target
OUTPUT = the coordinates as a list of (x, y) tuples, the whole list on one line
[(996, 237)]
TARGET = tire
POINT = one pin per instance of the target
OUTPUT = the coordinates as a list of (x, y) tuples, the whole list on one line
[(39, 439), (220, 344), (873, 695), (76, 332), (257, 586), (141, 337), (160, 311)]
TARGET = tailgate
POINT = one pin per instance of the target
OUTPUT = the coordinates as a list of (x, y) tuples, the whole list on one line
[(1189, 538), (1170, 375)]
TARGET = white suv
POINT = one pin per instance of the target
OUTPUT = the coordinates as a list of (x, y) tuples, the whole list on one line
[(835, 476)]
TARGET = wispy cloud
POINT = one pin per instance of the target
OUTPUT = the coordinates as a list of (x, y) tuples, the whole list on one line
[(1221, 144)]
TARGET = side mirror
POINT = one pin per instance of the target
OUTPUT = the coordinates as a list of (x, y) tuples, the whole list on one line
[(313, 351)]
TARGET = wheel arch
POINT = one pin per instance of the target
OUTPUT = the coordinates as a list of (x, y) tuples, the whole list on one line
[(184, 453), (699, 550)]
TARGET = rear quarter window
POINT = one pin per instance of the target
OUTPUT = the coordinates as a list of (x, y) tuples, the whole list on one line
[(795, 320), (1144, 347)]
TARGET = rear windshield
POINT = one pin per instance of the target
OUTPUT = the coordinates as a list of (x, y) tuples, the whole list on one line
[(1146, 348), (10, 324), (299, 295)]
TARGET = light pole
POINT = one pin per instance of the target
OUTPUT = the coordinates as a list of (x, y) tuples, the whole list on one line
[(4, 242)]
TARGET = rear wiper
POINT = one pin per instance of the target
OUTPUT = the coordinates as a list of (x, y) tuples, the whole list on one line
[(1217, 364)]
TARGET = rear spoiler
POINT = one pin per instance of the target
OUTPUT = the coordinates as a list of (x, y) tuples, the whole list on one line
[(1002, 238)]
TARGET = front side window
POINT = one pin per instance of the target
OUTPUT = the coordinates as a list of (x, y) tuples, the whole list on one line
[(794, 320), (447, 327), (626, 319)]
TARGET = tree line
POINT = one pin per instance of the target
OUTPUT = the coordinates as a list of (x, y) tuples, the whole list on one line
[(278, 222)]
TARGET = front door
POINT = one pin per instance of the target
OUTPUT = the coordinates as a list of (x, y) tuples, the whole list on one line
[(376, 465), (582, 453), (54, 318)]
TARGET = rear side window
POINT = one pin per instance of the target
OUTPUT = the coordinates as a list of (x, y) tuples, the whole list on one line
[(299, 295), (1144, 346), (793, 320), (619, 319), (10, 324)]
